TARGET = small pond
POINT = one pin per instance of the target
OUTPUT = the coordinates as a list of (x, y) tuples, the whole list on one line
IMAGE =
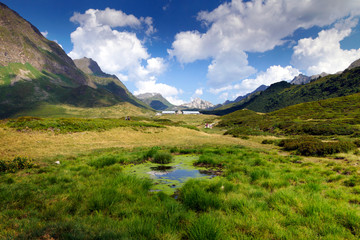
[(169, 177)]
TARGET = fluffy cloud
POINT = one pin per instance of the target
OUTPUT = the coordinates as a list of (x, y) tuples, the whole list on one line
[(110, 17), (115, 51), (272, 75), (199, 92), (228, 67), (175, 100), (237, 27), (324, 53), (153, 87), (119, 51)]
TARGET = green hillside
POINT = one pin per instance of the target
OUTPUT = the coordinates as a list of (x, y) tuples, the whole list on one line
[(118, 89), (23, 87), (103, 81), (35, 72), (156, 101), (335, 116), (283, 94)]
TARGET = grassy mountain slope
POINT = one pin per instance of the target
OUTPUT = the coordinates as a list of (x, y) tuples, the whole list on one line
[(118, 110), (334, 116), (22, 86), (283, 94), (156, 101), (104, 81), (21, 42), (35, 71)]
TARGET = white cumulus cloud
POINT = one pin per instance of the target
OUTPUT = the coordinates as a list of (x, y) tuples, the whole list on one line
[(153, 87), (199, 92), (120, 51), (237, 27), (272, 75), (109, 17), (228, 67), (324, 53)]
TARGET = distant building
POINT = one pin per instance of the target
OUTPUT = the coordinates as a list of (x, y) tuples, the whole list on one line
[(158, 114), (168, 112), (179, 112), (191, 112)]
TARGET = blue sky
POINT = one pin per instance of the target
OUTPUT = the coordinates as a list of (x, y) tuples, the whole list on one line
[(212, 49)]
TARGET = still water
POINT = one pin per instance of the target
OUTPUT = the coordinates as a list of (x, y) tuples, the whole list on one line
[(169, 177)]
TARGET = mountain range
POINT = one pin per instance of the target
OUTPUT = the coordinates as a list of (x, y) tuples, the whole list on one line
[(156, 101), (283, 94), (228, 103), (302, 79), (35, 70), (197, 103)]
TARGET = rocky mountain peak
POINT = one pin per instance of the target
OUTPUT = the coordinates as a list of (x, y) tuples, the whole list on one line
[(300, 80), (89, 66), (155, 100), (21, 42), (198, 104), (148, 95), (303, 79), (354, 64)]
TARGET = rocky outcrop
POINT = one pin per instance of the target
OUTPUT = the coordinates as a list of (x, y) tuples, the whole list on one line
[(198, 103), (300, 80), (354, 65), (89, 66), (21, 42)]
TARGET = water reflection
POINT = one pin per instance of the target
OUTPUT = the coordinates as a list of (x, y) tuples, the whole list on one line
[(171, 173), (162, 168)]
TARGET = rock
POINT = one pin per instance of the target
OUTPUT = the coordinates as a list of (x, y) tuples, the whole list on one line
[(198, 103)]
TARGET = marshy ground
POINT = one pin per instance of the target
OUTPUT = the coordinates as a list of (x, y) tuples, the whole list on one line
[(103, 187)]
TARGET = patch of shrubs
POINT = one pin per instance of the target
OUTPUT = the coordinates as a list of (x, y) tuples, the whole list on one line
[(106, 160), (357, 143), (150, 154), (310, 146), (157, 156), (71, 125), (209, 160), (318, 129), (162, 158), (240, 131), (267, 141), (352, 182), (17, 163)]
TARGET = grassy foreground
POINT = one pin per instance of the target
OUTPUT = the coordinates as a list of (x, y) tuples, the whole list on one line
[(72, 179), (259, 196)]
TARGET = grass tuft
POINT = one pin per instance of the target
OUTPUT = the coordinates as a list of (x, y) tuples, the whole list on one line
[(163, 158), (16, 164), (205, 227)]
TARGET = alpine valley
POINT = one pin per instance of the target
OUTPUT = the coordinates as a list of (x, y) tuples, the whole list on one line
[(81, 157)]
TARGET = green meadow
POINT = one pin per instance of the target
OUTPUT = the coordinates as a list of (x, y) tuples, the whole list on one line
[(259, 195), (248, 178)]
